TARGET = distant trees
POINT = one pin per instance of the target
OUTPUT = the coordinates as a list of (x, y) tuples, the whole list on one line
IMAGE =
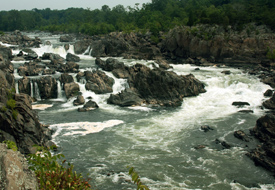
[(159, 15)]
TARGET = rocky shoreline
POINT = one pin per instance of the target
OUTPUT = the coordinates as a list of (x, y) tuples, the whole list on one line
[(201, 45)]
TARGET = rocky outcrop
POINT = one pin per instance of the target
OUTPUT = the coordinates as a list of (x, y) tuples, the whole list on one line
[(14, 172), (264, 130), (47, 86), (109, 46), (99, 82), (219, 44), (31, 69), (66, 38), (17, 38), (165, 88), (119, 44), (24, 85), (156, 87), (118, 69)]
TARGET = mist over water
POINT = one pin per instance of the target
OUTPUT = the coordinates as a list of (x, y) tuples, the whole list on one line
[(160, 142)]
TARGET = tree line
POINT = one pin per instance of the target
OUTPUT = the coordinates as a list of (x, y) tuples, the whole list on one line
[(159, 15)]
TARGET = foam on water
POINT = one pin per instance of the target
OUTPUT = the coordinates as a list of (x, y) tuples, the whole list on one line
[(41, 106), (84, 128)]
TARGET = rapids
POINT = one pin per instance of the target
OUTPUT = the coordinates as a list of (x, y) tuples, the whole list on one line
[(159, 142)]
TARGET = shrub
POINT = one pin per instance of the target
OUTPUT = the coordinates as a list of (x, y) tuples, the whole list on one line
[(11, 103), (52, 175), (11, 145)]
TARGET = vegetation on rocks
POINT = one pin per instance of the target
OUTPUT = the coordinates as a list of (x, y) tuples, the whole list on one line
[(10, 145), (52, 173)]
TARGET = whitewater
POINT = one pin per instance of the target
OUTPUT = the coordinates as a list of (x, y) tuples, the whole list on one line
[(160, 143)]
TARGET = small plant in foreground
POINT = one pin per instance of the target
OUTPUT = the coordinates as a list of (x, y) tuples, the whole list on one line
[(52, 175), (136, 179), (11, 145)]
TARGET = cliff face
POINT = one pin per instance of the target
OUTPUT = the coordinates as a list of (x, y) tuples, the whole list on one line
[(220, 44), (18, 122)]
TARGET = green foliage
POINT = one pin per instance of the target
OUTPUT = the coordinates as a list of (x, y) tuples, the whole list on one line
[(4, 109), (52, 175), (2, 33), (11, 145), (11, 104), (159, 15), (136, 179), (271, 54), (14, 114)]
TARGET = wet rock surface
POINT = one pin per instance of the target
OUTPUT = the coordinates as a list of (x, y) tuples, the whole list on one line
[(264, 154)]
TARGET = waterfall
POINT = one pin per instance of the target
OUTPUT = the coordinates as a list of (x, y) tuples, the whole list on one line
[(31, 88), (59, 90), (87, 51), (16, 87), (36, 91)]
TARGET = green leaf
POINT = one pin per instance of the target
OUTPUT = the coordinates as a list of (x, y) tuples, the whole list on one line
[(131, 170)]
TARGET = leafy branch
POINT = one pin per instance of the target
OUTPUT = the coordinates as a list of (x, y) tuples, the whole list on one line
[(136, 179)]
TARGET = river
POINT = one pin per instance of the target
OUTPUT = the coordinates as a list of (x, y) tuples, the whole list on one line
[(160, 142)]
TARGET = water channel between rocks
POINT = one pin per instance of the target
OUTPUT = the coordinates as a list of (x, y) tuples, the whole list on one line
[(159, 142)]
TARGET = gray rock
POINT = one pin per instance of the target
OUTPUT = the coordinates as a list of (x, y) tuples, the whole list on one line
[(14, 172), (72, 57), (71, 89)]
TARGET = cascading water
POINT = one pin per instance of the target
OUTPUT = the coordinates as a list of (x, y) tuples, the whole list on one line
[(160, 142), (36, 91)]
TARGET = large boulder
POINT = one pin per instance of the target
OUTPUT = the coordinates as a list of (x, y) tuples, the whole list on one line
[(270, 103), (165, 88), (125, 98), (66, 78), (264, 154), (90, 105), (47, 86), (99, 82), (79, 100), (72, 57), (71, 89), (15, 172)]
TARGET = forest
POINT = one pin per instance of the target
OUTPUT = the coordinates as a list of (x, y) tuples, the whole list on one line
[(159, 15)]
